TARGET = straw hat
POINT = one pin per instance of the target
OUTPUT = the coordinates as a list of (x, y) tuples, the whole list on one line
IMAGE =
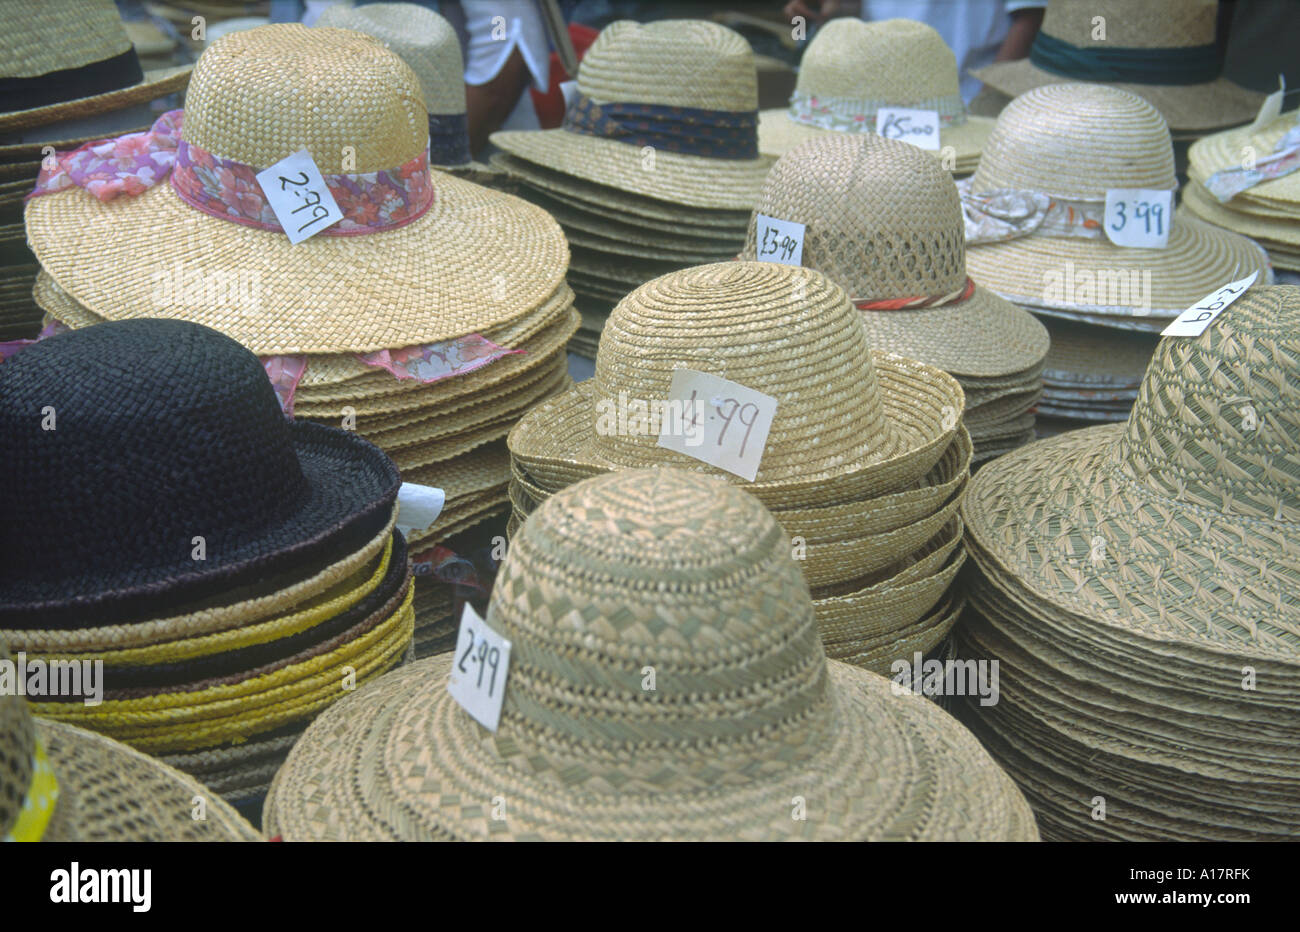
[(419, 282), (129, 440), (853, 68), (676, 101), (1161, 50), (60, 783), (58, 57), (746, 715), (1073, 142)]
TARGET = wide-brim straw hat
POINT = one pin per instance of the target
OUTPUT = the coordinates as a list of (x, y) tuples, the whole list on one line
[(1158, 37), (853, 68), (582, 601), (63, 54), (1088, 358), (1076, 141), (1277, 197), (474, 259), (687, 72)]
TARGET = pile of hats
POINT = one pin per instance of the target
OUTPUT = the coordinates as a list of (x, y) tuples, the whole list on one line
[(436, 316), (665, 682), (864, 464), (883, 220), (1034, 215), (1228, 188), (657, 165), (220, 572), (1136, 584), (853, 69)]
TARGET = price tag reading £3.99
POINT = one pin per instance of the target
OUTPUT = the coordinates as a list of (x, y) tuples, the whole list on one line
[(478, 669), (1138, 217), (724, 424), (299, 196), (1193, 321), (778, 241)]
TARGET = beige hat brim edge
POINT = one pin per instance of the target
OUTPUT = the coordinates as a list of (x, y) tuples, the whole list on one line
[(157, 83)]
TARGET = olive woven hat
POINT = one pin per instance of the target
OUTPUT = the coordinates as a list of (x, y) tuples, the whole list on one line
[(148, 465), (851, 69), (61, 59), (746, 731)]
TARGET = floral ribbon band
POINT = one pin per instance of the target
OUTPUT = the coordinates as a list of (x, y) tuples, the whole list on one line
[(38, 805), (853, 115), (1227, 183), (714, 134), (996, 216)]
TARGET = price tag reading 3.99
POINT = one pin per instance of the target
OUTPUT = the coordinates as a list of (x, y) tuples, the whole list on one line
[(479, 669), (299, 196), (779, 241), (725, 424), (1138, 217)]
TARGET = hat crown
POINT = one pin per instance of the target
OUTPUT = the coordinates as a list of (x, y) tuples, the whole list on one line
[(146, 433), (263, 94), (1077, 141), (785, 331), (55, 35), (658, 626), (881, 217), (420, 37), (899, 62), (17, 745), (1217, 420), (672, 63), (1151, 24)]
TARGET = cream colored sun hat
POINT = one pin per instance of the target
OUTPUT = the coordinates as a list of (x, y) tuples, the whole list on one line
[(690, 577), (852, 68)]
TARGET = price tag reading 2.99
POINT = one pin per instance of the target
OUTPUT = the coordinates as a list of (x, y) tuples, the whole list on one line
[(299, 196), (479, 669), (1138, 217), (723, 423)]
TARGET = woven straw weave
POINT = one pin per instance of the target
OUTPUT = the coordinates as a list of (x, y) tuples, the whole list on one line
[(39, 38)]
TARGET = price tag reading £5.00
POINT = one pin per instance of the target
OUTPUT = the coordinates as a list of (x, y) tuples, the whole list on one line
[(724, 424), (778, 240), (478, 669), (1193, 321), (297, 193), (1138, 217), (919, 127)]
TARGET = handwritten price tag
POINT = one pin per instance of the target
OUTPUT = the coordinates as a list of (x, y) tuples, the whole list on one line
[(297, 193), (919, 127), (1193, 321), (779, 240), (479, 668), (726, 424), (418, 506), (1138, 217)]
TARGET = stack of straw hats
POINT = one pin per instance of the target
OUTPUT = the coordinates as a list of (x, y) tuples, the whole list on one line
[(233, 572), (67, 68), (657, 164), (467, 299), (1228, 189), (883, 220), (864, 465), (852, 69), (1035, 209), (1137, 585), (746, 731), (62, 783)]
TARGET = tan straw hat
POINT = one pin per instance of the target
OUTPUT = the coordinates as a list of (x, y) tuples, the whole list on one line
[(62, 59), (851, 69), (1162, 50), (749, 732), (665, 110)]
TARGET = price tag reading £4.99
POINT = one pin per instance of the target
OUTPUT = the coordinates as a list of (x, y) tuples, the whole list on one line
[(1193, 321), (478, 669), (778, 240), (297, 193), (722, 424), (1138, 217)]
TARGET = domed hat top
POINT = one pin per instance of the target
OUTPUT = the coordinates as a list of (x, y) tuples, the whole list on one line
[(883, 220), (666, 680), (148, 465)]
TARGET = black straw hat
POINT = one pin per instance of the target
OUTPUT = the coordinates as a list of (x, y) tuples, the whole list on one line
[(127, 441)]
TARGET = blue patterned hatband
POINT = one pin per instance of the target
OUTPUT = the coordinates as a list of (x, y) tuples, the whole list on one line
[(714, 134)]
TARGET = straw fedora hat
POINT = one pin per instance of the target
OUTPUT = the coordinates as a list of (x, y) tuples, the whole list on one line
[(853, 68), (1073, 142), (60, 783), (408, 265), (883, 221), (63, 59), (135, 445), (746, 712), (665, 110), (1161, 50)]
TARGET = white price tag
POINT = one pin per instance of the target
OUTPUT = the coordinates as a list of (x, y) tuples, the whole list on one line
[(1271, 108), (1138, 217), (778, 241), (919, 127), (297, 193), (1193, 321), (570, 90), (724, 424), (478, 669), (418, 506)]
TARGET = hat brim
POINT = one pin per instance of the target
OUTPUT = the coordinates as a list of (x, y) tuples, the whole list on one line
[(1204, 107), (778, 134), (156, 83), (1281, 195)]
